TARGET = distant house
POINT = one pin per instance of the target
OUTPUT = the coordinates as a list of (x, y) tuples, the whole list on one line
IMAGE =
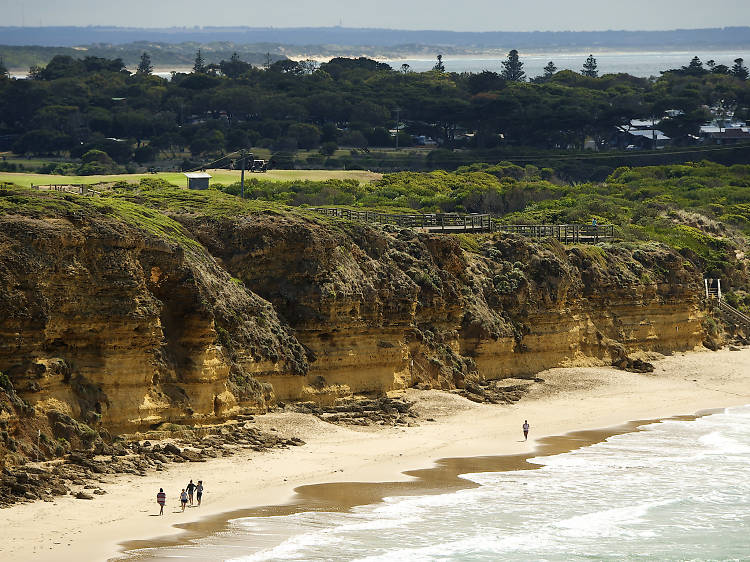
[(653, 138), (640, 134), (729, 136), (197, 180)]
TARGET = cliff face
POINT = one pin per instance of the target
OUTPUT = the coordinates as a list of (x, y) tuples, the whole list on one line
[(379, 311), (124, 330), (106, 324)]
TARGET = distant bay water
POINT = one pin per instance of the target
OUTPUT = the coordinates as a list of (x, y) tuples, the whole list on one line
[(643, 64), (677, 490)]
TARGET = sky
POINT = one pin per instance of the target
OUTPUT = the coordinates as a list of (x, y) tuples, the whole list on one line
[(461, 15)]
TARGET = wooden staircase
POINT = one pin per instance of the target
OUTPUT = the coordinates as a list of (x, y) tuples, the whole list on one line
[(733, 315)]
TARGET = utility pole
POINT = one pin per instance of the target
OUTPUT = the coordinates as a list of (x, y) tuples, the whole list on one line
[(398, 113), (242, 174)]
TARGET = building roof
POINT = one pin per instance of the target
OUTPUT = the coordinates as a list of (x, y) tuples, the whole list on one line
[(731, 134), (649, 134), (194, 175)]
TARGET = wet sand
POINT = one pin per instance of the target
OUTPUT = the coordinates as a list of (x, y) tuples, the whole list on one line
[(443, 477)]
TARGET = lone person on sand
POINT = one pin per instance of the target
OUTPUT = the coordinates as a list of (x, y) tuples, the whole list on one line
[(183, 499), (525, 429), (199, 491), (190, 489), (161, 499)]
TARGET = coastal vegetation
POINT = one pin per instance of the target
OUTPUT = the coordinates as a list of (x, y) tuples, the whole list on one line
[(302, 113)]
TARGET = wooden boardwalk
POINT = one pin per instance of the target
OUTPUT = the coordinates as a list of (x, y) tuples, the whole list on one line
[(439, 222), (565, 233), (452, 223)]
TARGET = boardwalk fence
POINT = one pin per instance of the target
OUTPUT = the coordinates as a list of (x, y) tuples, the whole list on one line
[(78, 188), (455, 223), (449, 222), (565, 233)]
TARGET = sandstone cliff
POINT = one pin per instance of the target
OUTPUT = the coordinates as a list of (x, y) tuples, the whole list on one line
[(123, 327)]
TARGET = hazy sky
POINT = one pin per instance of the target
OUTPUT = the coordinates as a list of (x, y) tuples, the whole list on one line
[(458, 15)]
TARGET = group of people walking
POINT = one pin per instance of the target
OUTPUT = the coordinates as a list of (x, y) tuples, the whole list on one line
[(187, 494)]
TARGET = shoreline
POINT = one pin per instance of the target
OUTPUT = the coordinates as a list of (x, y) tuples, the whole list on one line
[(575, 399), (441, 478)]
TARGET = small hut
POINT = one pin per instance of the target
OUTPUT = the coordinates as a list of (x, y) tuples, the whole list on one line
[(197, 180)]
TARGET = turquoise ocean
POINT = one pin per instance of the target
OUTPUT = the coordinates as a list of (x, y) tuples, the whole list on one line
[(675, 490)]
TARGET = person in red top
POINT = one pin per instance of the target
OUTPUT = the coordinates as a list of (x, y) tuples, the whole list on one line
[(161, 499)]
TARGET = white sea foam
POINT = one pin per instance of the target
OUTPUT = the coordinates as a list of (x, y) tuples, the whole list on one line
[(674, 491)]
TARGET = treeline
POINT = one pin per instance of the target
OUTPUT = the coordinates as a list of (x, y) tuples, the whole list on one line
[(74, 105)]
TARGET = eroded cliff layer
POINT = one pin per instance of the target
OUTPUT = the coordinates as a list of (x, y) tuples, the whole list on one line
[(382, 309), (124, 329)]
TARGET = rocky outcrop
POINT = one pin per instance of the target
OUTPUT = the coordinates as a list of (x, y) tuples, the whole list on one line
[(121, 328)]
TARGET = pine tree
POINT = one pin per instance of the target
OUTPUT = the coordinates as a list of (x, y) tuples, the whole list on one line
[(439, 66), (739, 70), (695, 67), (3, 69), (200, 63), (145, 67), (590, 68), (549, 70), (513, 68)]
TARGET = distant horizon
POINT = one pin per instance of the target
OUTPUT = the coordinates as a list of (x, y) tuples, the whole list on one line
[(415, 15), (370, 28), (377, 38)]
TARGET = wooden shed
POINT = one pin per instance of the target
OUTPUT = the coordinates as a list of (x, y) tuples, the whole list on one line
[(197, 180)]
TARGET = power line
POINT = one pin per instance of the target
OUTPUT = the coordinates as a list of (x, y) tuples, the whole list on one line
[(204, 166)]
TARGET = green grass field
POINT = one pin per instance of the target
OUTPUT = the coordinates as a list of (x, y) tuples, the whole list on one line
[(219, 176)]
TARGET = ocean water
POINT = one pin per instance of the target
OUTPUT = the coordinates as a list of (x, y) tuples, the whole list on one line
[(643, 64), (677, 490)]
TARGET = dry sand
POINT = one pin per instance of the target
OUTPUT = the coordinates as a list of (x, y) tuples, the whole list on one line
[(570, 400)]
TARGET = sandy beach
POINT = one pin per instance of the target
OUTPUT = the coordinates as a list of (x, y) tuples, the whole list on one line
[(569, 400)]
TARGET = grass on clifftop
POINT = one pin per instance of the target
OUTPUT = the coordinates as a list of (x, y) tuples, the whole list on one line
[(225, 177)]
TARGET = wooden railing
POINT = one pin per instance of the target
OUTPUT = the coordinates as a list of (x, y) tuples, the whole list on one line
[(448, 222), (565, 233), (78, 188), (454, 223)]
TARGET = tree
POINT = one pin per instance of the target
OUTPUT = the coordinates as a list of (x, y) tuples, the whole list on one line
[(405, 68), (549, 71), (589, 67), (3, 69), (145, 67), (308, 136), (234, 67), (694, 68), (739, 70), (513, 68), (199, 67), (328, 148), (439, 66)]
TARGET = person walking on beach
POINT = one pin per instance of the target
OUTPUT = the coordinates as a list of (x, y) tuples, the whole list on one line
[(183, 499), (161, 499), (190, 490), (199, 491), (526, 430)]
